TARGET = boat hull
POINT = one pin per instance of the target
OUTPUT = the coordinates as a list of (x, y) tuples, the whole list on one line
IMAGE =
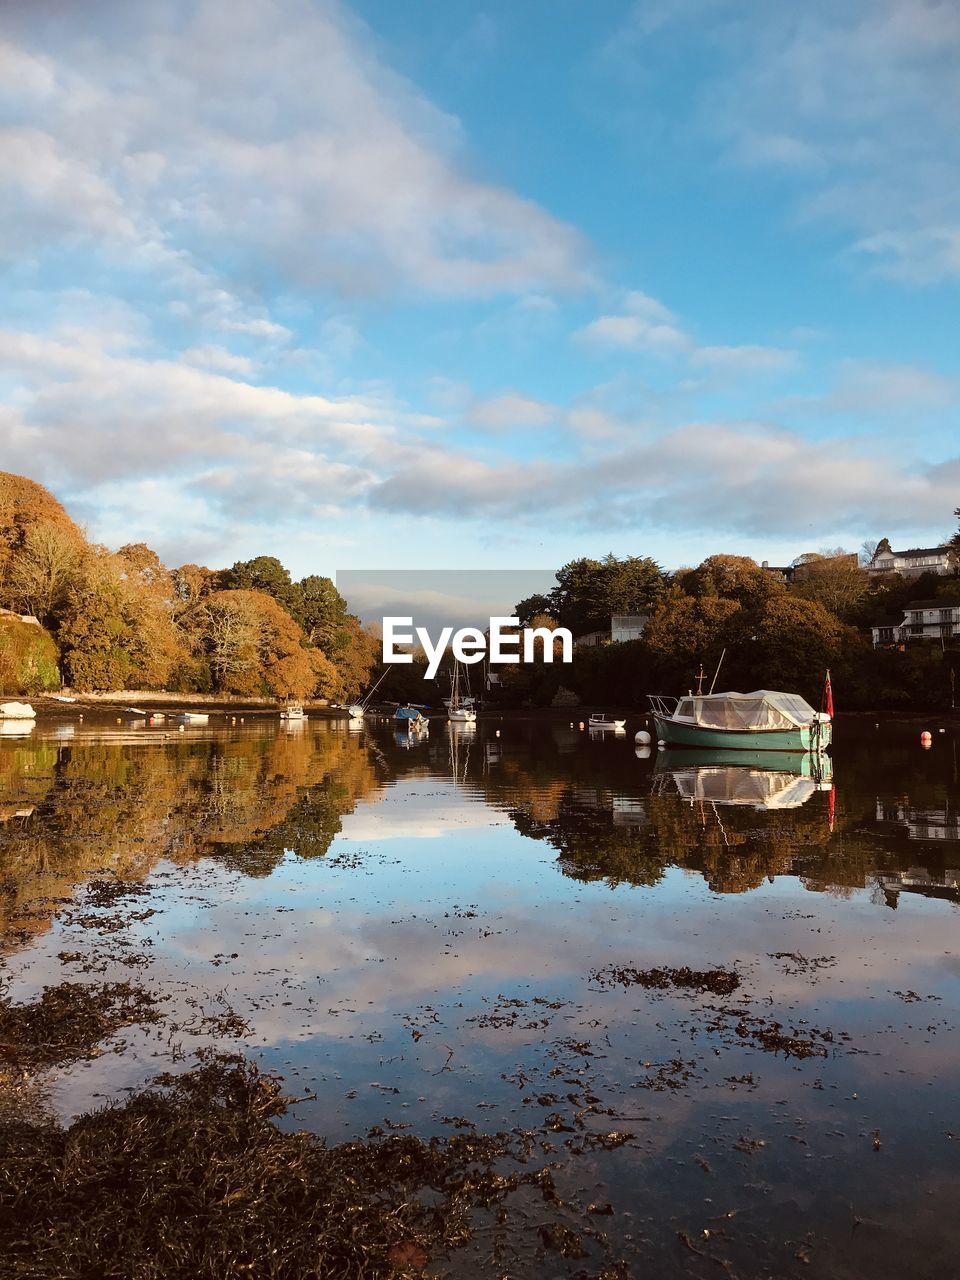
[(802, 738)]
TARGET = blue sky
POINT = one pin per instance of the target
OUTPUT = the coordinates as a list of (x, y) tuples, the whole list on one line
[(483, 285)]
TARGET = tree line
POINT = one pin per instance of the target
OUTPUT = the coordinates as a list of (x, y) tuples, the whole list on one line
[(124, 620), (760, 628)]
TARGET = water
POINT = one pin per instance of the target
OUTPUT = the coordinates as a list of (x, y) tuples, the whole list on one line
[(428, 934)]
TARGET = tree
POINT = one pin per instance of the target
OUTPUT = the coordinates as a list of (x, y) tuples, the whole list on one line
[(191, 582), (320, 609), (253, 646), (531, 607), (143, 564), (836, 581), (24, 503), (735, 578), (265, 574), (41, 568), (589, 592), (796, 640), (115, 630), (229, 634), (686, 632)]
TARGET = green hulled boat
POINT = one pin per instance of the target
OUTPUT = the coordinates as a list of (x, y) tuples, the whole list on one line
[(765, 720)]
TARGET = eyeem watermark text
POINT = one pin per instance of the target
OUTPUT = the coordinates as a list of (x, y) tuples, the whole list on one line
[(503, 643)]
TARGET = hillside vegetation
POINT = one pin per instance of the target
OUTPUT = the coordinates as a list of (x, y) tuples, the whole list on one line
[(123, 619)]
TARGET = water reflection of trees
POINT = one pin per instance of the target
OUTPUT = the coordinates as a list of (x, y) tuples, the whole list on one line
[(69, 810), (592, 803)]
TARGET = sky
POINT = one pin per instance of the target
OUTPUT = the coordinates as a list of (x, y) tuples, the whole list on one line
[(450, 285)]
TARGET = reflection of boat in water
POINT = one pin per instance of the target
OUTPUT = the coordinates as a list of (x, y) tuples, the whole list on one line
[(765, 720), (761, 780), (944, 884), (16, 728)]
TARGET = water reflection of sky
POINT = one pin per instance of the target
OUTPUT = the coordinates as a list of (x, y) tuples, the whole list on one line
[(390, 962)]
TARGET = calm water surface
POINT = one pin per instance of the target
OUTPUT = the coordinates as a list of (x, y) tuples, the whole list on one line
[(429, 935)]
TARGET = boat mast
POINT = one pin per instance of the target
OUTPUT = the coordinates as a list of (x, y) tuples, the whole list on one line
[(455, 686), (717, 672)]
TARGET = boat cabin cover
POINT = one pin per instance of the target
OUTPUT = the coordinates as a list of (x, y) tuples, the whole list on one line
[(763, 709)]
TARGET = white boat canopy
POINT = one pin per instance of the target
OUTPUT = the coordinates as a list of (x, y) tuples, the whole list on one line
[(763, 709)]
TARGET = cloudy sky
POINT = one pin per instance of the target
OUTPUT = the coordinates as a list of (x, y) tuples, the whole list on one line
[(443, 284)]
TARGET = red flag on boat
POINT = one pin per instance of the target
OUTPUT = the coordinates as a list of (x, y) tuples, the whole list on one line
[(828, 695)]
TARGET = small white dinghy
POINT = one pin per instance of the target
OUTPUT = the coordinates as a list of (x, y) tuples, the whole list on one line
[(606, 722), (17, 711), (193, 717)]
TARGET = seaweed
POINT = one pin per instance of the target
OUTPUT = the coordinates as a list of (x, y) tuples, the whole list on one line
[(722, 982), (192, 1178), (67, 1022)]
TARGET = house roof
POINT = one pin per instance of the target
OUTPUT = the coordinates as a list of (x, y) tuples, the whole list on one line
[(927, 604), (916, 551)]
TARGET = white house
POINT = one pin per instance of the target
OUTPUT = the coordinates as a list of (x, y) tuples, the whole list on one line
[(623, 627), (912, 563), (922, 620)]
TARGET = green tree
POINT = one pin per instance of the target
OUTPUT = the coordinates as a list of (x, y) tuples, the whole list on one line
[(265, 574), (531, 607), (589, 592), (321, 610)]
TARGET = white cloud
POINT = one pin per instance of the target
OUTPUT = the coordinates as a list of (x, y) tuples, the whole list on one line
[(194, 126), (751, 479), (869, 388), (217, 358), (644, 325), (745, 359), (510, 410)]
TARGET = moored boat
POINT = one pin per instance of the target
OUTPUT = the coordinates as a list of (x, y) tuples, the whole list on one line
[(293, 711), (17, 711), (605, 722), (765, 720), (193, 717), (410, 720), (460, 707), (357, 710)]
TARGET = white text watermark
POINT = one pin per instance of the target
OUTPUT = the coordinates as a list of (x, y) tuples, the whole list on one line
[(504, 642)]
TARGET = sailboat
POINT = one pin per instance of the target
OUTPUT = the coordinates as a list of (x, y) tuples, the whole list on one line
[(460, 708), (358, 709)]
